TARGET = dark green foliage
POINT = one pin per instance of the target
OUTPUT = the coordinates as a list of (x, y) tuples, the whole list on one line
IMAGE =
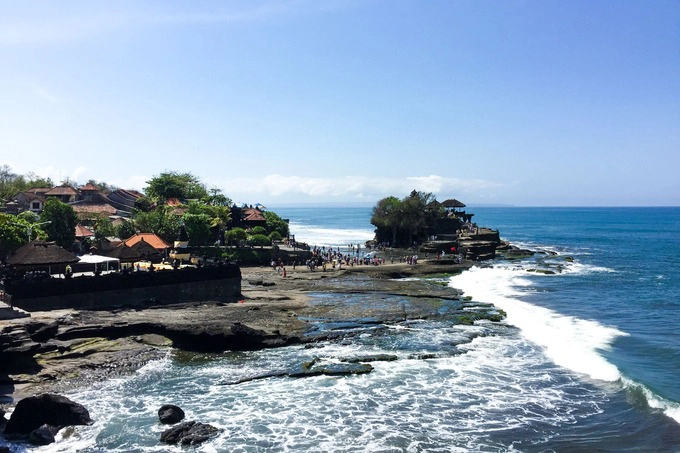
[(405, 222), (258, 230), (259, 239), (172, 184), (103, 228), (198, 228), (14, 233), (160, 221), (275, 236), (126, 230), (12, 183), (63, 221), (276, 223), (236, 236)]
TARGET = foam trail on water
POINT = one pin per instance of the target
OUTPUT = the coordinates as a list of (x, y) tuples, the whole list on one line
[(570, 342)]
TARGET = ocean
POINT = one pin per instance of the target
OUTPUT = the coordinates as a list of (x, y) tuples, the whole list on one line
[(588, 358)]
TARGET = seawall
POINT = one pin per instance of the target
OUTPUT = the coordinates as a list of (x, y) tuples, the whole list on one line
[(136, 289)]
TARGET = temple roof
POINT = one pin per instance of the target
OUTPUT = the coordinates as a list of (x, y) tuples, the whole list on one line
[(40, 253)]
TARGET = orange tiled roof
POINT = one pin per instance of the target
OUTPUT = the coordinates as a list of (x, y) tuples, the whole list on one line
[(150, 238), (82, 232), (253, 215), (94, 208), (62, 190), (89, 186)]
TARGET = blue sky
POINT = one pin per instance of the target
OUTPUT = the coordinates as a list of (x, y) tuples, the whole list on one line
[(528, 103)]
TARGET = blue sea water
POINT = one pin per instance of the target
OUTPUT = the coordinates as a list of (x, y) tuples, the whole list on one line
[(587, 360)]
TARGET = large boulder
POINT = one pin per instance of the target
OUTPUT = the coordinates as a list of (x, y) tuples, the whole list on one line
[(189, 433), (45, 409), (169, 414)]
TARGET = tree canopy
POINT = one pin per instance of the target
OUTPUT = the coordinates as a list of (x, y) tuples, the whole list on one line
[(15, 231), (63, 221), (403, 222), (12, 183), (172, 184)]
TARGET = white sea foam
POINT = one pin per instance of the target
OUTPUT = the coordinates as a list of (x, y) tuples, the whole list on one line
[(330, 237), (569, 341), (670, 408)]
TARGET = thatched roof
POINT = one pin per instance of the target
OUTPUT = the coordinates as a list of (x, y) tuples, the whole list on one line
[(125, 254), (453, 203), (40, 253)]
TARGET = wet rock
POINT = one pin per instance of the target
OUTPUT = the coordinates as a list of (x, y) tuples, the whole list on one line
[(309, 369), (56, 410), (169, 414), (43, 435), (189, 433), (371, 358), (41, 332)]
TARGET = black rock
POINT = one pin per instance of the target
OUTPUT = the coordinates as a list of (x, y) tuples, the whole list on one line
[(43, 435), (55, 410), (189, 433), (169, 414)]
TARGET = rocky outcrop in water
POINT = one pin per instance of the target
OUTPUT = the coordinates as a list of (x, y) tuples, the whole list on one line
[(310, 369), (169, 414), (189, 433), (56, 411)]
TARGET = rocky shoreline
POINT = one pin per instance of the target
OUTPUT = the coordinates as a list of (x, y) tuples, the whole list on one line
[(60, 350)]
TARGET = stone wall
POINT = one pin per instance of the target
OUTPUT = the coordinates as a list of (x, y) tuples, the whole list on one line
[(137, 289)]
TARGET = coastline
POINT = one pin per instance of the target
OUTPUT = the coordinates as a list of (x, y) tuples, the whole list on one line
[(63, 349)]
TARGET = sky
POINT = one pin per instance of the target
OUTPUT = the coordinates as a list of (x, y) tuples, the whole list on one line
[(517, 102)]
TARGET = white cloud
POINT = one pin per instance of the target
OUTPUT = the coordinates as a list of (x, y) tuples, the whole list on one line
[(73, 22), (350, 187)]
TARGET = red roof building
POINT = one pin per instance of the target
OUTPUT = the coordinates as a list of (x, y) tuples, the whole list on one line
[(150, 238)]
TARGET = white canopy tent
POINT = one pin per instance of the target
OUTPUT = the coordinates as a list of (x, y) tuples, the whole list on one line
[(105, 263)]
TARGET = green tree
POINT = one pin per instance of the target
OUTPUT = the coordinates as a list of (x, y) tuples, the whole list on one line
[(259, 239), (198, 228), (12, 183), (236, 236), (160, 221), (275, 236), (63, 221), (405, 221), (103, 228), (126, 230), (172, 184), (386, 217), (14, 232), (276, 223), (29, 216), (258, 230)]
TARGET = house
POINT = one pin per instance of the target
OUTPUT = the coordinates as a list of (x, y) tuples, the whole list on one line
[(42, 256), (149, 246), (248, 217), (124, 200), (65, 194), (29, 201)]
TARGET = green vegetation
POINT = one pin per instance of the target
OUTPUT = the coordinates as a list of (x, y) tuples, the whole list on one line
[(14, 232), (205, 214), (11, 183), (172, 184), (62, 222), (410, 220)]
